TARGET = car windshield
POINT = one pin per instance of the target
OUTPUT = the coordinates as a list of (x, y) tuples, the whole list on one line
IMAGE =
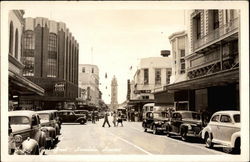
[(44, 117), (191, 115), (237, 118), (16, 120), (160, 114)]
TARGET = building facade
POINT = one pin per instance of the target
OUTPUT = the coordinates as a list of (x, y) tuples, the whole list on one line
[(114, 94), (18, 85), (212, 63), (89, 83), (152, 75), (50, 54)]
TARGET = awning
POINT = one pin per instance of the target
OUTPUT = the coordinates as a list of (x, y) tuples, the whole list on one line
[(215, 79), (132, 102), (19, 85)]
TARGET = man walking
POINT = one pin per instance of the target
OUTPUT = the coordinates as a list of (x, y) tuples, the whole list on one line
[(93, 117), (105, 119)]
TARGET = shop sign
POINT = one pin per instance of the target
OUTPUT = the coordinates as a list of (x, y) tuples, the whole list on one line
[(59, 87)]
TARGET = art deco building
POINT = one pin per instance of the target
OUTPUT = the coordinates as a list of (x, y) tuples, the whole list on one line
[(50, 55), (114, 94)]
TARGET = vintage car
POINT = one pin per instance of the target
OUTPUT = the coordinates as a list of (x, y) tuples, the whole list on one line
[(25, 136), (223, 129), (50, 125), (155, 120), (184, 124), (69, 116)]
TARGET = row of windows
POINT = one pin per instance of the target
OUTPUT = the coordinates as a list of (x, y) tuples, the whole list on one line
[(11, 39), (84, 70), (157, 76)]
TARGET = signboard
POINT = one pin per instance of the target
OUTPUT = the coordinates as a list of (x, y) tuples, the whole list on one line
[(59, 87), (141, 91)]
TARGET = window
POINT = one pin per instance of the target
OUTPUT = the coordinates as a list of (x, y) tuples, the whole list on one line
[(145, 76), (145, 97), (11, 38), (225, 119), (168, 76), (28, 53), (182, 61), (215, 19), (83, 69), (237, 118), (226, 15), (215, 118), (16, 44), (157, 76), (52, 55), (182, 53), (198, 26)]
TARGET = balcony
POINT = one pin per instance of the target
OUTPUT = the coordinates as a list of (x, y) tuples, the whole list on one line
[(226, 31)]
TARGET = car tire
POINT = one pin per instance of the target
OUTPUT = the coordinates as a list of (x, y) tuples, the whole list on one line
[(208, 141), (183, 135), (154, 130), (82, 121), (236, 148), (145, 130)]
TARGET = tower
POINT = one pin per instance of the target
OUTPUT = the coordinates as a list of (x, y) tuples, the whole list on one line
[(114, 103)]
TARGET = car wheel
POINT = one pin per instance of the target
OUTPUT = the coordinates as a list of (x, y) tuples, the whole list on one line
[(227, 149), (145, 130), (82, 121), (183, 135), (237, 146), (154, 130), (208, 141)]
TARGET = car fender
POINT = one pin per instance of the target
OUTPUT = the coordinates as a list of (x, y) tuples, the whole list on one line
[(80, 118), (30, 146), (42, 140), (184, 126), (234, 137), (205, 130), (52, 131)]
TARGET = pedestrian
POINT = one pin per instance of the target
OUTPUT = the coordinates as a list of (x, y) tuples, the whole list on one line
[(93, 117), (114, 118), (106, 120), (119, 119)]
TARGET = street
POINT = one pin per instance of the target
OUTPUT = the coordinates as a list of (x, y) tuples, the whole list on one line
[(130, 139)]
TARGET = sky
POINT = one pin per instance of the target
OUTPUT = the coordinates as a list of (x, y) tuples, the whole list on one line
[(118, 37)]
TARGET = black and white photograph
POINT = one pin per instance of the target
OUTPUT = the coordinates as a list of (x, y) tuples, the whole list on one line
[(125, 81)]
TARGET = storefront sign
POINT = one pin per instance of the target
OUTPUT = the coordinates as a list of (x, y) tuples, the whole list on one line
[(59, 87)]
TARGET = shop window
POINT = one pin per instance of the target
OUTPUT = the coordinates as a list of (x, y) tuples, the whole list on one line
[(11, 38), (83, 69), (157, 76), (182, 53)]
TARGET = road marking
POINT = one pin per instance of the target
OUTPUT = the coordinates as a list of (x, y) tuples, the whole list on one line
[(192, 145), (130, 143)]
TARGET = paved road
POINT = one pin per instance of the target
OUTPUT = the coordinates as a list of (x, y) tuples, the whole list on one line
[(129, 139)]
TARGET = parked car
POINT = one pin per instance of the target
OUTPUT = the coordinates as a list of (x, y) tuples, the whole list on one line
[(69, 116), (154, 121), (184, 124), (223, 129), (50, 125), (25, 135)]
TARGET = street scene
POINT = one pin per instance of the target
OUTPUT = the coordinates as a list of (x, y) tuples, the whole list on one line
[(114, 81)]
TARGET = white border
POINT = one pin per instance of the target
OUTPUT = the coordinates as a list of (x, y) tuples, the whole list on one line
[(244, 76)]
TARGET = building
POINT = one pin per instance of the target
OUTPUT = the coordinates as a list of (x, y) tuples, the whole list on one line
[(212, 63), (89, 83), (50, 55), (18, 85), (179, 42), (114, 94), (152, 75)]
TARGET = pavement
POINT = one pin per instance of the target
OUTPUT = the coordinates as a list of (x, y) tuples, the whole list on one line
[(93, 139)]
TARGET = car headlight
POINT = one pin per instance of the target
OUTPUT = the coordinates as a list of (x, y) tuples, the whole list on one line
[(18, 139)]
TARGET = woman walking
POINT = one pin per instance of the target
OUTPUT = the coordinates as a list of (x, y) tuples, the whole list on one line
[(119, 119)]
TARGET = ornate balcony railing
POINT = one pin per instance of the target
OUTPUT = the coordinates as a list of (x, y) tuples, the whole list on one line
[(224, 30)]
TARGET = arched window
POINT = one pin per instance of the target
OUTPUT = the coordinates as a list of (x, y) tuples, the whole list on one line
[(11, 39), (16, 44), (52, 55)]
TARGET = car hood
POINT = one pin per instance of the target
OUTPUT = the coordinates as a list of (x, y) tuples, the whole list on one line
[(19, 127)]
